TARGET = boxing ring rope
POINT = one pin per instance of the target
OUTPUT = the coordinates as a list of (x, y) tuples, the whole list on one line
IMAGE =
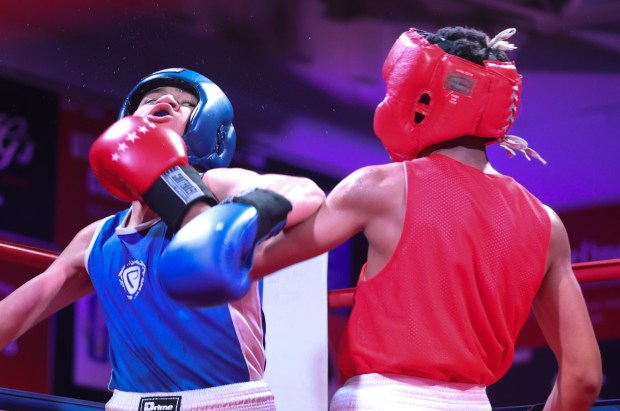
[(585, 272), (31, 401), (342, 298), (26, 255)]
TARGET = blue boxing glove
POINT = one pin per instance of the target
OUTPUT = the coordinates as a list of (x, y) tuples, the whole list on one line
[(208, 261)]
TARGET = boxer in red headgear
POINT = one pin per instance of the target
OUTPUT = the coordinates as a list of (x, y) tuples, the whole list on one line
[(433, 96), (458, 254)]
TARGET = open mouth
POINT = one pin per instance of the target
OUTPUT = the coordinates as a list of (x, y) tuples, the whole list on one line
[(160, 113)]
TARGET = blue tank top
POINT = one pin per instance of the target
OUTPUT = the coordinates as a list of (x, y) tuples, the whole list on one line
[(156, 343)]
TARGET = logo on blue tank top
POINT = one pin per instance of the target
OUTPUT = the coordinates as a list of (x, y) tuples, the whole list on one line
[(131, 278)]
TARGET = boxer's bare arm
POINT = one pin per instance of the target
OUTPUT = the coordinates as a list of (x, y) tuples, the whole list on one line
[(62, 283), (356, 204), (562, 314), (303, 193)]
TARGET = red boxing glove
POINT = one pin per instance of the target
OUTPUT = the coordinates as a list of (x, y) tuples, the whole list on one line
[(135, 159), (132, 153)]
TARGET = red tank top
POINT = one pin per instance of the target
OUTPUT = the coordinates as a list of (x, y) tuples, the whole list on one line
[(457, 290)]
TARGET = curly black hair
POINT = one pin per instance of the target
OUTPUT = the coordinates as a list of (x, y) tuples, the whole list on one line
[(467, 43)]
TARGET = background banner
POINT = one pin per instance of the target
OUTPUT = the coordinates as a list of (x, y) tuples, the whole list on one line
[(27, 159)]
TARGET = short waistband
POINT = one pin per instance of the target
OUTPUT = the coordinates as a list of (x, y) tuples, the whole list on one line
[(247, 396), (374, 392), (444, 387)]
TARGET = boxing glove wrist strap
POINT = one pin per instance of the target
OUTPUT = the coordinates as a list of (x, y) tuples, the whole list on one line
[(272, 209), (174, 192)]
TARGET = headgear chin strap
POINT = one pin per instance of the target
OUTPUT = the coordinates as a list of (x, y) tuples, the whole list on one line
[(210, 136), (433, 96)]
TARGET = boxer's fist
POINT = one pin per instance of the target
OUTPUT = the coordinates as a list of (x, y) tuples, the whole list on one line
[(135, 159), (132, 153), (208, 261)]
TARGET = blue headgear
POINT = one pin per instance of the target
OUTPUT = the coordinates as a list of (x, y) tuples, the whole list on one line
[(210, 136)]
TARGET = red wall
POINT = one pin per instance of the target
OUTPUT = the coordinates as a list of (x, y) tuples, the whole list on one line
[(25, 364)]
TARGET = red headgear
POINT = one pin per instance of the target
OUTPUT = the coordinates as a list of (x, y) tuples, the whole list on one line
[(433, 96)]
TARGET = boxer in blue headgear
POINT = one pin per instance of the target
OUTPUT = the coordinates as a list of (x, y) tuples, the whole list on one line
[(210, 135), (185, 322)]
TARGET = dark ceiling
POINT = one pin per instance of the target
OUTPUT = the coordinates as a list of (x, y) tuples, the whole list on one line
[(114, 33)]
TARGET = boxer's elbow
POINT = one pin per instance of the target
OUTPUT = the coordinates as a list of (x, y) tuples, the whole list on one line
[(580, 388), (313, 196), (591, 384), (305, 207)]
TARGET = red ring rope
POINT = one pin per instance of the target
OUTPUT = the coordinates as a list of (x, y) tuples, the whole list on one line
[(25, 255), (585, 272), (39, 258)]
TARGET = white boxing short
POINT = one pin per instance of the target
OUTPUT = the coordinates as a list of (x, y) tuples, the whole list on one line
[(247, 396), (376, 392)]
